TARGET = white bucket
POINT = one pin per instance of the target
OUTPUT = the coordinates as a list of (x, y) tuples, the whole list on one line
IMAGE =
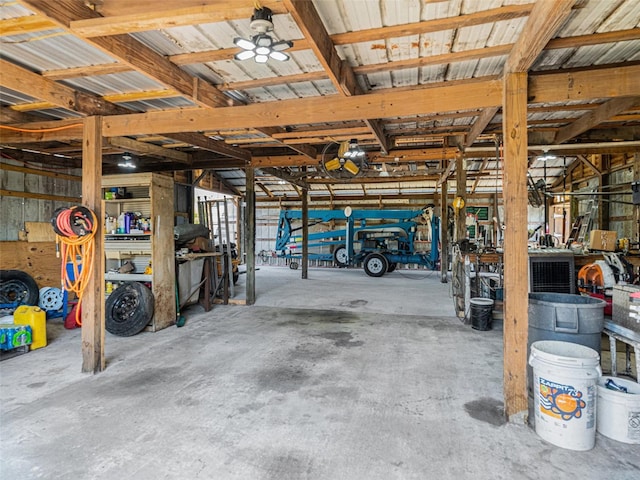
[(619, 412), (565, 379)]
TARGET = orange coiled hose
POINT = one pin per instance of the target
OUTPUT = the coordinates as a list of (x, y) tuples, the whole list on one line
[(75, 232)]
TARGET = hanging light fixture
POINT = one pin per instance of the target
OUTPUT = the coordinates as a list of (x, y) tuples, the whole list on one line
[(127, 161), (261, 47)]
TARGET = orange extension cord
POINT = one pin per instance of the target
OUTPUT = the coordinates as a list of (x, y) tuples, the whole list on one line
[(76, 249)]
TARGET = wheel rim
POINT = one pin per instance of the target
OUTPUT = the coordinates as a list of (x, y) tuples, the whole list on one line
[(341, 255), (125, 307), (375, 265), (13, 291)]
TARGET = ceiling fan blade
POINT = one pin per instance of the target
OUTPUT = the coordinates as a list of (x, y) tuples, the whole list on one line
[(333, 164), (351, 167), (282, 57)]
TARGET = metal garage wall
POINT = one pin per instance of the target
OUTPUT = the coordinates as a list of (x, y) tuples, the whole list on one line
[(15, 210)]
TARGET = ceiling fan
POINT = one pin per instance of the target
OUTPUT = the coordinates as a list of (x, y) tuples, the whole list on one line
[(343, 160), (261, 46)]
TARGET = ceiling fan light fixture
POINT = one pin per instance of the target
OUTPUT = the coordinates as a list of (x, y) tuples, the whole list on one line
[(245, 55), (261, 46), (127, 161), (282, 57), (244, 43)]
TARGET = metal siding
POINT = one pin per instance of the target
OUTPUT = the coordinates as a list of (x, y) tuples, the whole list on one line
[(115, 83), (59, 52)]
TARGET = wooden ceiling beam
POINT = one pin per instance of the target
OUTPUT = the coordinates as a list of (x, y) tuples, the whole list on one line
[(595, 117), (215, 146), (584, 85), (325, 132), (442, 59), (86, 71), (21, 80), (543, 22), (480, 124), (309, 22), (339, 71), (311, 110), (142, 148), (27, 24), (125, 49), (155, 19), (436, 25)]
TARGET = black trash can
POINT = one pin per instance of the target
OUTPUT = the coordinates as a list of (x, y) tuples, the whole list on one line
[(481, 313)]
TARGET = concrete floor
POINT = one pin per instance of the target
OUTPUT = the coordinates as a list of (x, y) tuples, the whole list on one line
[(341, 376)]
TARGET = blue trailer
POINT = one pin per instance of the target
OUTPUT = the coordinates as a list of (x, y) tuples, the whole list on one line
[(378, 240)]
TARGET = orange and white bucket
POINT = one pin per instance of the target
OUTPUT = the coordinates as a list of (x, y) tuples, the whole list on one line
[(565, 377)]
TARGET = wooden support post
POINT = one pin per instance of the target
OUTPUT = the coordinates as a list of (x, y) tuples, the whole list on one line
[(93, 297), (461, 191), (444, 234), (250, 238), (636, 208), (516, 318), (305, 233)]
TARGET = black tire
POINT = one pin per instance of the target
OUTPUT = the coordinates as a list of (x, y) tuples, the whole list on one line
[(375, 264), (129, 309), (392, 266), (18, 287), (236, 276), (293, 265), (340, 257)]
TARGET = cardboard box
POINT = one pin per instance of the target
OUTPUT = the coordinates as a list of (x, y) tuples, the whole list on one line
[(603, 240)]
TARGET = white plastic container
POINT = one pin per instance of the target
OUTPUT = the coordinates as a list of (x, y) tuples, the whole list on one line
[(565, 379), (619, 412)]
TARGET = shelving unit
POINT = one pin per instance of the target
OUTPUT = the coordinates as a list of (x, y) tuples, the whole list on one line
[(152, 195)]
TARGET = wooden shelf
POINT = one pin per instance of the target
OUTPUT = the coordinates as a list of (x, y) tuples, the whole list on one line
[(153, 195)]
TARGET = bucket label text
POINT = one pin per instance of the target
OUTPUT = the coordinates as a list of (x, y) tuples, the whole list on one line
[(560, 401)]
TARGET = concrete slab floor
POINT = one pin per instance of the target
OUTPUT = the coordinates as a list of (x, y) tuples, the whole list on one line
[(340, 376)]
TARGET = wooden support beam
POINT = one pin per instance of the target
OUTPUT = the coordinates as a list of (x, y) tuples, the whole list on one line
[(316, 110), (480, 124), (143, 148), (159, 17), (444, 233), (595, 117), (93, 313), (461, 191), (55, 94), (516, 286), (544, 20), (40, 172), (22, 25), (250, 239), (86, 71), (38, 196), (129, 51), (584, 85), (305, 233), (285, 176), (216, 146)]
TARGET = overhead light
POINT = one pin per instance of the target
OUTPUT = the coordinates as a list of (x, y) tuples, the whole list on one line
[(127, 161), (261, 46), (547, 156)]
